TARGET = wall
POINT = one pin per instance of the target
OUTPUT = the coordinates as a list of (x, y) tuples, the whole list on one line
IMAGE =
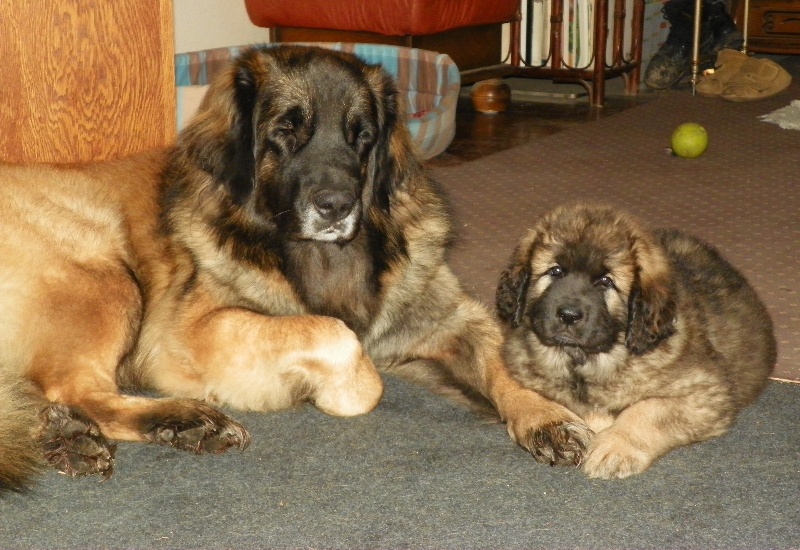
[(655, 30), (206, 24)]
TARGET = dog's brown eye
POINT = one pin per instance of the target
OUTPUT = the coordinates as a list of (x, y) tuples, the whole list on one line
[(557, 271), (284, 129), (285, 133), (604, 282), (364, 137)]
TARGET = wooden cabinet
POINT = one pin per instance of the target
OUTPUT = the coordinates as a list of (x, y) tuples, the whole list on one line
[(85, 79), (773, 26)]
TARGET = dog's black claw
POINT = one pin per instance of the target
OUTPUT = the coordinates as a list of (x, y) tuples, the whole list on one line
[(209, 432), (73, 443), (559, 444)]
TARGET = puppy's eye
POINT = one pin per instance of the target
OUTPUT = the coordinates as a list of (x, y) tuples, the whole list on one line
[(556, 271), (604, 282)]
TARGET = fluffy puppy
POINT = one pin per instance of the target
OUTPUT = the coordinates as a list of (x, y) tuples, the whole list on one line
[(650, 336)]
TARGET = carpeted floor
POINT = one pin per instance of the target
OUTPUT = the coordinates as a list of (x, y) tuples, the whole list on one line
[(421, 473)]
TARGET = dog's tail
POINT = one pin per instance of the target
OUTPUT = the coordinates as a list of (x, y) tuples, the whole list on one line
[(20, 453)]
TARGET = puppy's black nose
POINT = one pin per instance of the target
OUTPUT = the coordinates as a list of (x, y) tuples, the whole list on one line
[(334, 205), (569, 315)]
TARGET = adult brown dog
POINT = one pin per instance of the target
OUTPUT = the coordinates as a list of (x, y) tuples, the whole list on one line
[(286, 246), (650, 336)]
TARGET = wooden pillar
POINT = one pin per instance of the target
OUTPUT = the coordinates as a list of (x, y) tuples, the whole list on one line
[(85, 79)]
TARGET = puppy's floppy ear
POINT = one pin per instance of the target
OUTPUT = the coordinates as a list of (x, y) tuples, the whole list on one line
[(220, 138), (392, 157), (513, 285), (651, 304)]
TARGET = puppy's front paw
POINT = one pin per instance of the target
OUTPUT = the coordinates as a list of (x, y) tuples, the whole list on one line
[(562, 444), (614, 456)]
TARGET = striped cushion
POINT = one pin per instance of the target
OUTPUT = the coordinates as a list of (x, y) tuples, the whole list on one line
[(429, 80)]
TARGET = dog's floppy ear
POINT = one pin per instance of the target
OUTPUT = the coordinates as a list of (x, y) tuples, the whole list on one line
[(651, 304), (513, 285), (392, 158), (241, 162), (220, 138)]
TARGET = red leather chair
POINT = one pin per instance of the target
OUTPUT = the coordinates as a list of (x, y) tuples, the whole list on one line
[(469, 31)]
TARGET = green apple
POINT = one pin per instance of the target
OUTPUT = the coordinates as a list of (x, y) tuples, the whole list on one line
[(689, 140)]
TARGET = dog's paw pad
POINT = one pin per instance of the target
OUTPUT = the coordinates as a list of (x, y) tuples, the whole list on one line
[(73, 444), (208, 432), (559, 444)]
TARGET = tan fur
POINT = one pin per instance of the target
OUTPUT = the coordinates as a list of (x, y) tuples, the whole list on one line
[(696, 348), (124, 275)]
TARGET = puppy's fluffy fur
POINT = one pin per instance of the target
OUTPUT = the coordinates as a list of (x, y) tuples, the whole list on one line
[(649, 335)]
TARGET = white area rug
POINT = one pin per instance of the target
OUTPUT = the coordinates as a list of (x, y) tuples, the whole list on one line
[(787, 117)]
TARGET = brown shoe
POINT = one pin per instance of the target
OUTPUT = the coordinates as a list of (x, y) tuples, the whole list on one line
[(727, 66), (756, 79)]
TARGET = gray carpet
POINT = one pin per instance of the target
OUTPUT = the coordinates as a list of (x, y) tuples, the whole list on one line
[(421, 473)]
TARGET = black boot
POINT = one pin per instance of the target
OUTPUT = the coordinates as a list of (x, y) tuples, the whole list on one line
[(719, 32), (673, 60)]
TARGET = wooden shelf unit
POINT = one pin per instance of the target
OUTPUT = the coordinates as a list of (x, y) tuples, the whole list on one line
[(773, 26)]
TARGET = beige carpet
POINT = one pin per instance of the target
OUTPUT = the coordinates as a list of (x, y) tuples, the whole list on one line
[(742, 195)]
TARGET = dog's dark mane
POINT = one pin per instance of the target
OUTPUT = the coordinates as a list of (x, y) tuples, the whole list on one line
[(344, 280), (339, 280)]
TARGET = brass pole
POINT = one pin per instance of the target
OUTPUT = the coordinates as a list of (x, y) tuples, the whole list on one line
[(698, 9), (745, 24)]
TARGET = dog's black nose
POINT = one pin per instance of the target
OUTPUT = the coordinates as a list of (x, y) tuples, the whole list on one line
[(334, 205), (569, 315)]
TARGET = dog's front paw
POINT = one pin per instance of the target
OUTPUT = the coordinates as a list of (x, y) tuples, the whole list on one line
[(199, 429), (613, 456), (73, 443), (561, 444)]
